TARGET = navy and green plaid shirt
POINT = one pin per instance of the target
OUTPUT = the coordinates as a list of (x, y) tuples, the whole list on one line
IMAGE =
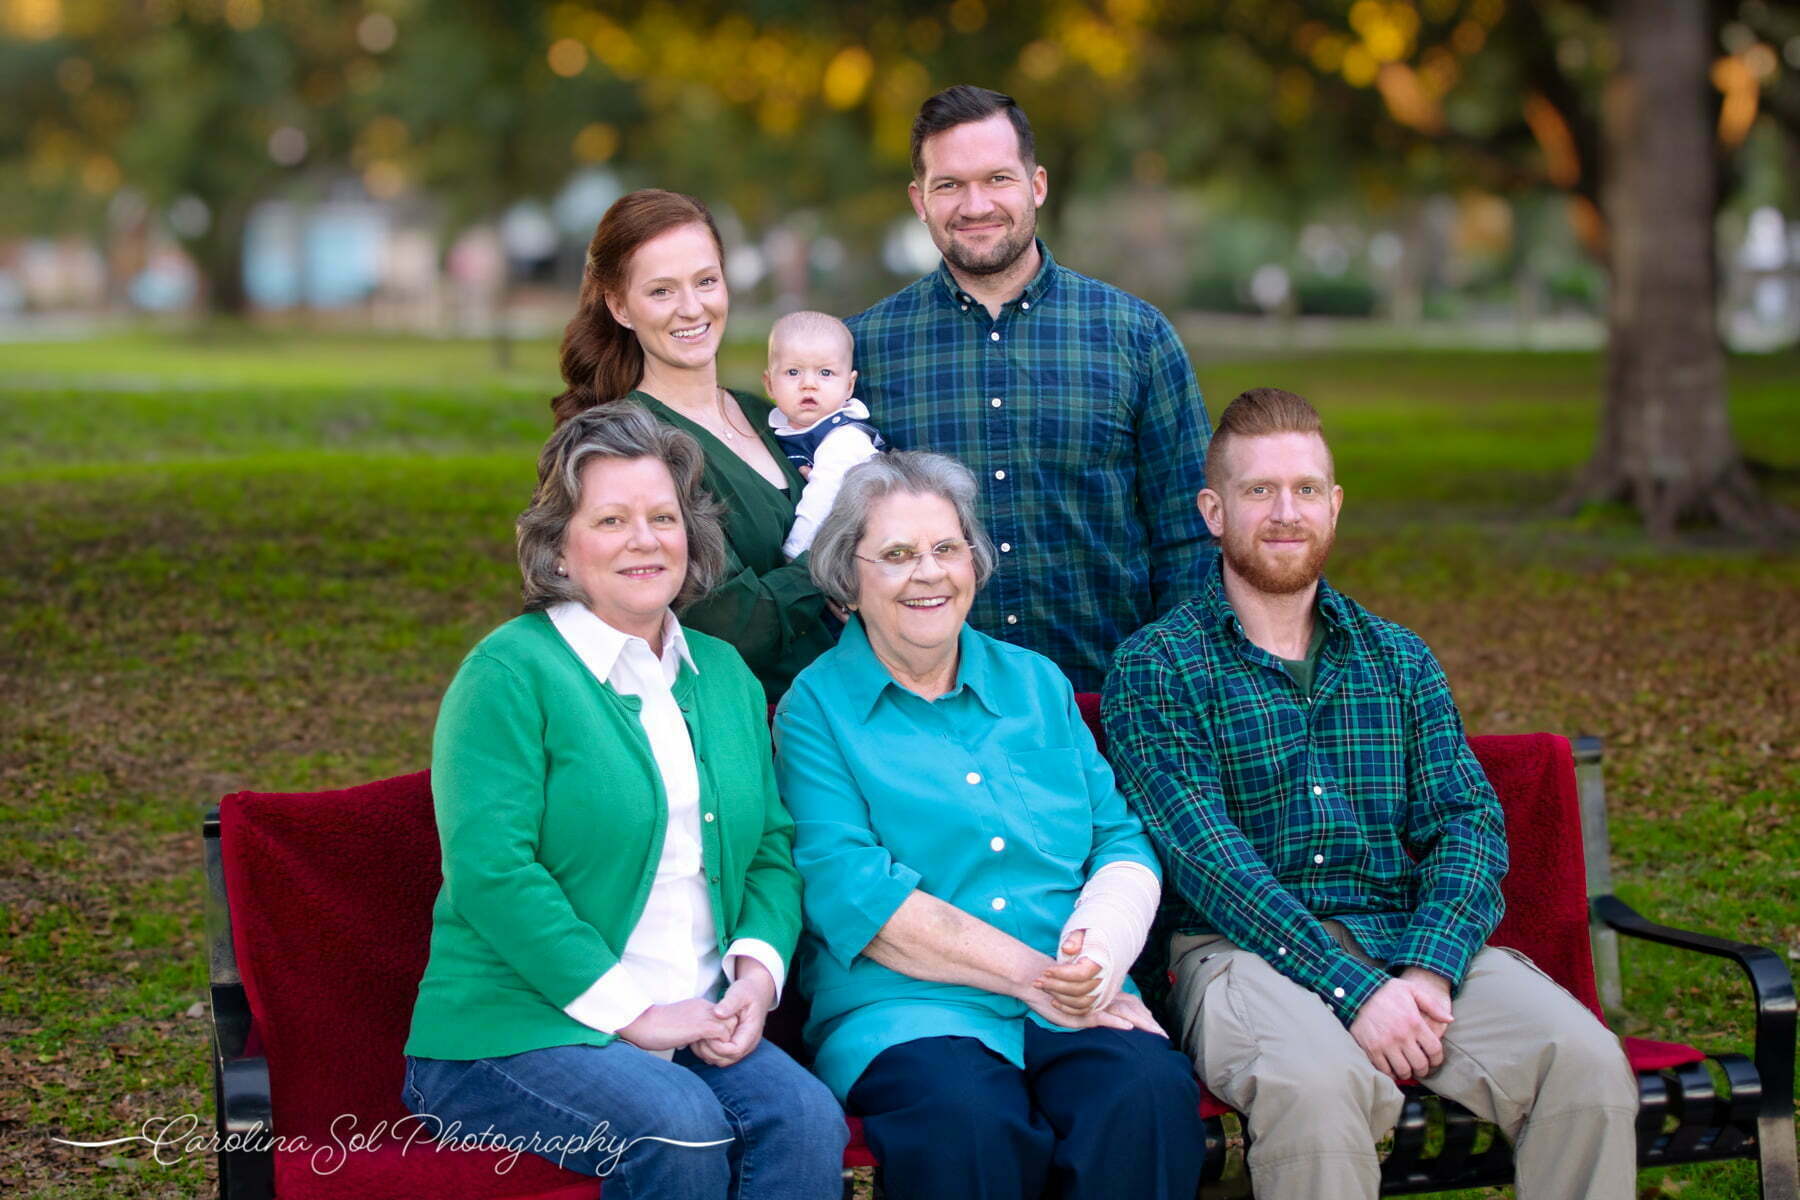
[(1273, 810), (1078, 412)]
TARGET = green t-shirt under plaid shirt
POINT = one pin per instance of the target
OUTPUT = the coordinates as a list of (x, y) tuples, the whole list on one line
[(1273, 810), (1078, 412)]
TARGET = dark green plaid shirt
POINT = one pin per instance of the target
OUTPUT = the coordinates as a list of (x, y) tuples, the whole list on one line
[(1078, 412), (1273, 810)]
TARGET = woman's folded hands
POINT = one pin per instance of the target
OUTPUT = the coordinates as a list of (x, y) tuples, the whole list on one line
[(672, 1026), (719, 1032), (744, 1006), (1070, 993)]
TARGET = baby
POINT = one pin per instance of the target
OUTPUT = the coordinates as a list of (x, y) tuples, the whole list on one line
[(822, 427)]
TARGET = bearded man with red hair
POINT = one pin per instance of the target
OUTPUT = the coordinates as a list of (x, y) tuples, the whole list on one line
[(1333, 855)]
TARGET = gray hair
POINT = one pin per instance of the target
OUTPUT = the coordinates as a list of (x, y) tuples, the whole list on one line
[(623, 430), (911, 471)]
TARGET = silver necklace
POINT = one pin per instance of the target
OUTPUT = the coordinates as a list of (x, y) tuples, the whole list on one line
[(724, 418)]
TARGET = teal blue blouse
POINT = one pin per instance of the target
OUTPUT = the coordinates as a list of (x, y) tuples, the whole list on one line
[(993, 798)]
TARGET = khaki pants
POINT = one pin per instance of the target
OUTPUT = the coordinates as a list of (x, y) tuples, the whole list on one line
[(1521, 1053)]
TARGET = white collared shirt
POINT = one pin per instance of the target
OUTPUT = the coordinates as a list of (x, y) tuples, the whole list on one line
[(672, 953)]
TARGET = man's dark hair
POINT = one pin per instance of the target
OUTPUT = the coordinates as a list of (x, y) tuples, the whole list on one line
[(961, 104)]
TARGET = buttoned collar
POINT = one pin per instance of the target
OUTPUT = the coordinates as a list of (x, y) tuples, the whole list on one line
[(1027, 297), (865, 679), (599, 645), (853, 408), (1223, 618)]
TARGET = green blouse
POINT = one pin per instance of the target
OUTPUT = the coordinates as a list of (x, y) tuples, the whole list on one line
[(767, 607)]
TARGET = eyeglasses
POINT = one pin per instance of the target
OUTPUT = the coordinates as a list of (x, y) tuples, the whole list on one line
[(899, 561)]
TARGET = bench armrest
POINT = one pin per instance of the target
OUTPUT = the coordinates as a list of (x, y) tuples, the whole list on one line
[(243, 1078), (244, 1112), (241, 1101), (1770, 981)]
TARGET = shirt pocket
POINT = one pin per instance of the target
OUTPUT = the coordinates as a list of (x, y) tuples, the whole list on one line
[(1052, 786)]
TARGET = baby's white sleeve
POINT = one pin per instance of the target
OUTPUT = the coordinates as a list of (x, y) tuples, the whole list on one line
[(844, 448)]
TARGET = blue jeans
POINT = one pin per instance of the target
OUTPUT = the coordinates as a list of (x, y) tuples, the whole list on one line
[(760, 1129)]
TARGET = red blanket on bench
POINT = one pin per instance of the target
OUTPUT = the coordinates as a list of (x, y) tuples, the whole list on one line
[(331, 894)]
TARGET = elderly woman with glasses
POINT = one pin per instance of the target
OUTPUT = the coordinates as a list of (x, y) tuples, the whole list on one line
[(619, 898), (976, 888)]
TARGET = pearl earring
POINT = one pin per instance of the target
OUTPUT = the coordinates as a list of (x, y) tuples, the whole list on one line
[(561, 570)]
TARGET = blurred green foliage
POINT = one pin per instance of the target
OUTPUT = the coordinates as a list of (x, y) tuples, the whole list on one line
[(1292, 109)]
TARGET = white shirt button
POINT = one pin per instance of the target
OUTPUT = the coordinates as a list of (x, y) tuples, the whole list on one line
[(1281, 950), (709, 818), (1338, 992), (994, 336), (998, 903), (1024, 304), (1318, 858), (965, 308), (1006, 547), (999, 474), (972, 777), (997, 845), (1012, 618), (1317, 790), (995, 402)]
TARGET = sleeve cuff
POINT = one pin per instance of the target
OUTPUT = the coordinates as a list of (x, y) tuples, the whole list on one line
[(1439, 952), (856, 918), (1347, 984), (613, 1001), (763, 953)]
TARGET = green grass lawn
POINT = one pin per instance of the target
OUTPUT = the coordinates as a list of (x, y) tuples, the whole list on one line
[(253, 560)]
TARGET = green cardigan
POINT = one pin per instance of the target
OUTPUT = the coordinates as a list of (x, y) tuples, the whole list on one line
[(551, 815), (767, 607)]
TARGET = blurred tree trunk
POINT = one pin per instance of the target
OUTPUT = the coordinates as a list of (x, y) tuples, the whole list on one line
[(1665, 440), (219, 256)]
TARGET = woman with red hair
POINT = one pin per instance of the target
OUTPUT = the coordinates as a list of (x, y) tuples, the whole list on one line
[(648, 328)]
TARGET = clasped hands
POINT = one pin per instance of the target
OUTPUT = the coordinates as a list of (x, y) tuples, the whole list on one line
[(1068, 993), (1401, 1027), (719, 1033)]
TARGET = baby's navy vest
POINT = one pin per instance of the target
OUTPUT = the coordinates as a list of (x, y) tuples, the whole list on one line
[(800, 447)]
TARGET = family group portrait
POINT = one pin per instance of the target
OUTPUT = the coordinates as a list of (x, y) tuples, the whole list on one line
[(1097, 599)]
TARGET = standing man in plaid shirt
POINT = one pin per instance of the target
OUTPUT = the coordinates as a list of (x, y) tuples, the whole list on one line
[(1072, 401), (1333, 858)]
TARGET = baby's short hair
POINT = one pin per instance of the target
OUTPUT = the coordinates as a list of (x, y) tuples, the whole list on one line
[(806, 323)]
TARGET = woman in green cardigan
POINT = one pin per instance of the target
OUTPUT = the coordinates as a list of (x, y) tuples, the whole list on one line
[(619, 902), (648, 327)]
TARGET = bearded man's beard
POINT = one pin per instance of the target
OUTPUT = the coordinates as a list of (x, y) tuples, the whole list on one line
[(1004, 254), (1244, 555)]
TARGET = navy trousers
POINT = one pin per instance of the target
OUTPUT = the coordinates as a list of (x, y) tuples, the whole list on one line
[(1096, 1113)]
